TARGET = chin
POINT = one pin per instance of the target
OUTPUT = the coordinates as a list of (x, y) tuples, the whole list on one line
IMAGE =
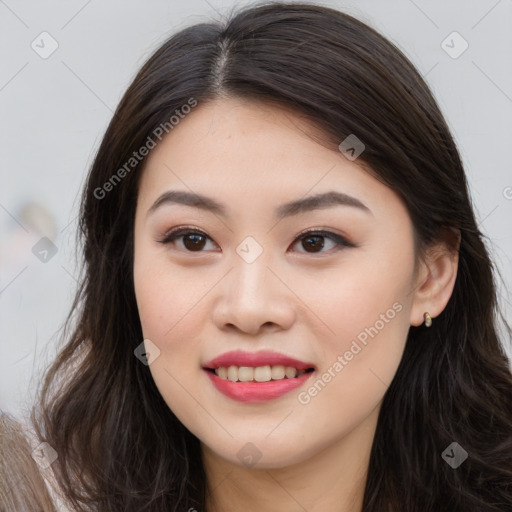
[(264, 453)]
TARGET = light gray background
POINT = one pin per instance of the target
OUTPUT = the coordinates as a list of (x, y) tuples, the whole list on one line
[(54, 112)]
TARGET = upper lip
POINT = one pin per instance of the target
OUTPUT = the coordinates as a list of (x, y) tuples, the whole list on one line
[(262, 358)]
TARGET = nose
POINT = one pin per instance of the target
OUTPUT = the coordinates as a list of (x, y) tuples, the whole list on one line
[(253, 298)]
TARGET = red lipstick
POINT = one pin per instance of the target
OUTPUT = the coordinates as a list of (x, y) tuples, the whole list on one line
[(262, 358), (254, 392)]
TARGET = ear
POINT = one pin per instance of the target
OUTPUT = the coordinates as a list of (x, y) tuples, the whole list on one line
[(435, 278)]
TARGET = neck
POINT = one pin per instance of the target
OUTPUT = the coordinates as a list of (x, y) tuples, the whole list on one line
[(333, 478)]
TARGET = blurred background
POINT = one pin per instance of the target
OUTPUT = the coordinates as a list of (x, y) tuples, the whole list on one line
[(64, 67)]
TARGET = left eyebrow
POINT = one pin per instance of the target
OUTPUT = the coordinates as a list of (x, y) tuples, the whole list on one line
[(320, 201), (310, 203)]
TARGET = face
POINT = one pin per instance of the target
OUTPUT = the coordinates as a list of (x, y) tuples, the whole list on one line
[(327, 282)]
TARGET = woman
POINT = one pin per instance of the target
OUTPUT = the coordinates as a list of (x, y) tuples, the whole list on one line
[(287, 303)]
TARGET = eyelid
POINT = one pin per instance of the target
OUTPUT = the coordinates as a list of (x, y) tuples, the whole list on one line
[(340, 240), (324, 231), (182, 230)]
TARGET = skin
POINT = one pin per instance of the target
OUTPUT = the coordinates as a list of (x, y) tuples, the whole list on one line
[(306, 302)]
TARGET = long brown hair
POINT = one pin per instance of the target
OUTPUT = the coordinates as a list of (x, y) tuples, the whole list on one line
[(120, 447)]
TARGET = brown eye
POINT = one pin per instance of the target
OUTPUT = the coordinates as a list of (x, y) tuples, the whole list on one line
[(192, 240), (314, 241)]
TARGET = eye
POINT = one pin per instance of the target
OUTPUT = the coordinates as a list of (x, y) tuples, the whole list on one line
[(314, 239), (194, 240)]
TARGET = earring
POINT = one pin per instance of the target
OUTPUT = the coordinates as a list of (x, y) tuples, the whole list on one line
[(428, 319)]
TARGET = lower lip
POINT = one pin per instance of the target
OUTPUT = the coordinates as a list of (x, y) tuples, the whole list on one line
[(253, 392)]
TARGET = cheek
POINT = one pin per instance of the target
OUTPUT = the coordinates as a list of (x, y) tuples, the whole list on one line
[(169, 314), (168, 309), (164, 296), (366, 310)]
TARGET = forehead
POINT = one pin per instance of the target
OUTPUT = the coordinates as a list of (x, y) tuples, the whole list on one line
[(216, 125), (253, 153)]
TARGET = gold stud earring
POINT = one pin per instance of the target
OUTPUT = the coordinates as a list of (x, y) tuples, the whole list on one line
[(428, 319)]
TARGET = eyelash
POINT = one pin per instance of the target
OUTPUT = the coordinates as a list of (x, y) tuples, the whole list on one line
[(339, 240)]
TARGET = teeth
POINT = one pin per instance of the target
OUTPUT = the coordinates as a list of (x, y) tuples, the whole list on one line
[(245, 374), (258, 374), (278, 372)]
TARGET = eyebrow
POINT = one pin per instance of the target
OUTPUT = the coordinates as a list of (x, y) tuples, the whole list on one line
[(310, 203)]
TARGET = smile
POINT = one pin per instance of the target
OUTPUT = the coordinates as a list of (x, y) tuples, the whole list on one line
[(258, 373), (253, 377)]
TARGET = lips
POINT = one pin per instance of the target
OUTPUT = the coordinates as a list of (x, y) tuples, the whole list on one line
[(254, 392), (262, 358)]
